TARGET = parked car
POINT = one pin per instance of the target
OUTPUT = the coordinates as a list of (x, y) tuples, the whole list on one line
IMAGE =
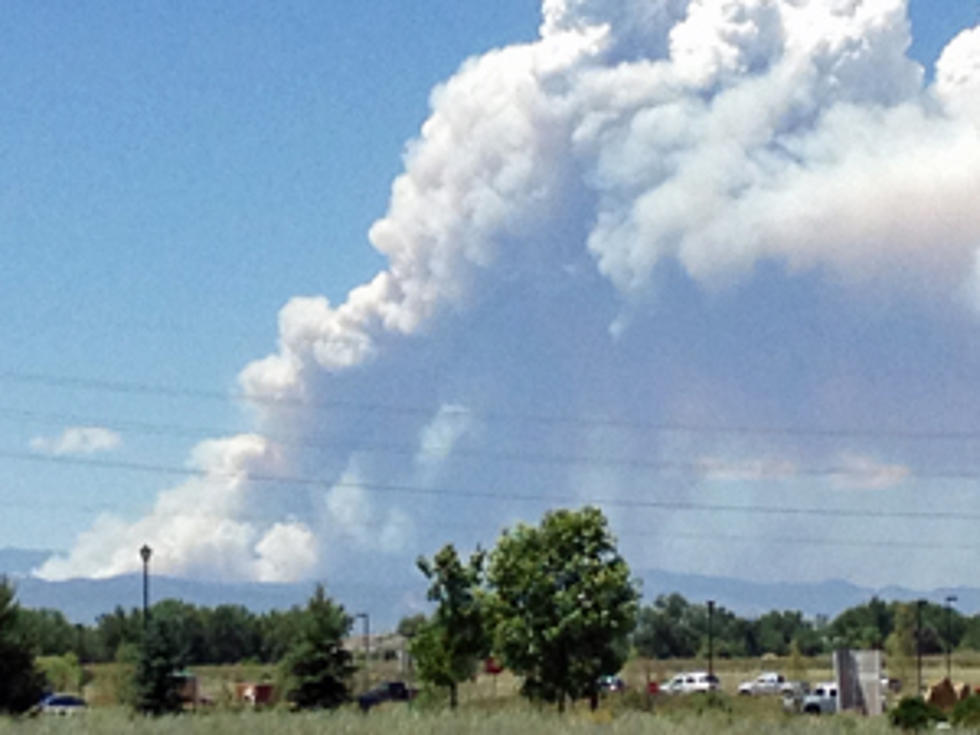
[(768, 682), (822, 700), (611, 683), (386, 691), (691, 682), (61, 704)]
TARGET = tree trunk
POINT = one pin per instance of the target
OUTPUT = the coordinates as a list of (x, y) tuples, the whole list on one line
[(593, 700), (453, 700)]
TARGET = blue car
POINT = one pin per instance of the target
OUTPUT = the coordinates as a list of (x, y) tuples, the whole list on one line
[(61, 704)]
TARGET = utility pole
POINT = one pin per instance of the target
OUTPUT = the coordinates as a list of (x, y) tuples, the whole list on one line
[(950, 599), (367, 648), (711, 638), (918, 645)]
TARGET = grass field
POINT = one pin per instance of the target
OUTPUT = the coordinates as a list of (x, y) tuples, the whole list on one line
[(489, 706), (515, 718)]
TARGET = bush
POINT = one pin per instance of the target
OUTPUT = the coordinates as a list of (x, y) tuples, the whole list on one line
[(912, 713), (966, 713)]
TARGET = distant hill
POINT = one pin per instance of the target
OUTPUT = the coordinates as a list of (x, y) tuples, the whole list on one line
[(829, 598), (83, 600), (20, 562)]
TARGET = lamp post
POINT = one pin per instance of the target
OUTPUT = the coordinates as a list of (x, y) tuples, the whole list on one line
[(711, 638), (950, 599), (919, 604), (145, 553), (367, 647)]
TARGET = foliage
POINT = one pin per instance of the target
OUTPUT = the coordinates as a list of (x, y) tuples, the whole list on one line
[(913, 713), (63, 673), (317, 667), (411, 625), (21, 682), (449, 647), (156, 688), (672, 627), (563, 604), (966, 713)]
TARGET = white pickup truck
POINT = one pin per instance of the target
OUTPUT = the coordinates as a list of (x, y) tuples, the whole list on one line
[(768, 682), (822, 700)]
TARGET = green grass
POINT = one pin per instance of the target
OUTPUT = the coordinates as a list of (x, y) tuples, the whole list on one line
[(404, 721), (489, 706)]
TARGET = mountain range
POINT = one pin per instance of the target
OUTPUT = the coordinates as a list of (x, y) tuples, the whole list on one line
[(83, 600)]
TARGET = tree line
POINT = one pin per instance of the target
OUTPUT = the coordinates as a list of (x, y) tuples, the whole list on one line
[(208, 635), (673, 627), (554, 603)]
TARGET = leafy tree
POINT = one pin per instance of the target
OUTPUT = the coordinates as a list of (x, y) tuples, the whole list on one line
[(666, 629), (563, 604), (900, 644), (156, 688), (21, 683), (411, 625), (232, 634), (448, 648), (277, 631), (63, 673), (49, 631), (317, 666), (117, 628), (863, 626), (185, 624)]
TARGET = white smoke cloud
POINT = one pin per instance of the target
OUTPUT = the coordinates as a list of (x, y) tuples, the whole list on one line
[(203, 526), (861, 472), (78, 440), (438, 438), (641, 151)]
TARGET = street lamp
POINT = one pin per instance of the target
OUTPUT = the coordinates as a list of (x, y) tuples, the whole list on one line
[(711, 638), (950, 599), (145, 553)]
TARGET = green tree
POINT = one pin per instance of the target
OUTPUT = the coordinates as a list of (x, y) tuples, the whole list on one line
[(21, 682), (49, 631), (63, 673), (317, 667), (448, 647), (278, 630), (116, 629), (863, 626), (665, 629), (562, 603), (156, 688), (411, 625), (900, 644)]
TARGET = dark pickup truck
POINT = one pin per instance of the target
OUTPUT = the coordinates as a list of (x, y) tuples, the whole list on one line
[(386, 691)]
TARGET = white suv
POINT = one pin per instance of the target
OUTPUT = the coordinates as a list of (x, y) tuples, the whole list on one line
[(691, 682)]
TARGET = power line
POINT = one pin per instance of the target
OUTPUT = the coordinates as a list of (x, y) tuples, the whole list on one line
[(622, 533), (325, 443), (405, 489), (150, 389)]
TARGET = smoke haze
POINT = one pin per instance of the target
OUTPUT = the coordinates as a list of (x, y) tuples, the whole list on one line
[(660, 218)]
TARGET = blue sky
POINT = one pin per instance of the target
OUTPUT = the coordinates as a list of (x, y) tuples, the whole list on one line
[(174, 176)]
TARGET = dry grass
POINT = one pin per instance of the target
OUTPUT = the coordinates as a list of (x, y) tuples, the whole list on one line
[(489, 706), (517, 719)]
